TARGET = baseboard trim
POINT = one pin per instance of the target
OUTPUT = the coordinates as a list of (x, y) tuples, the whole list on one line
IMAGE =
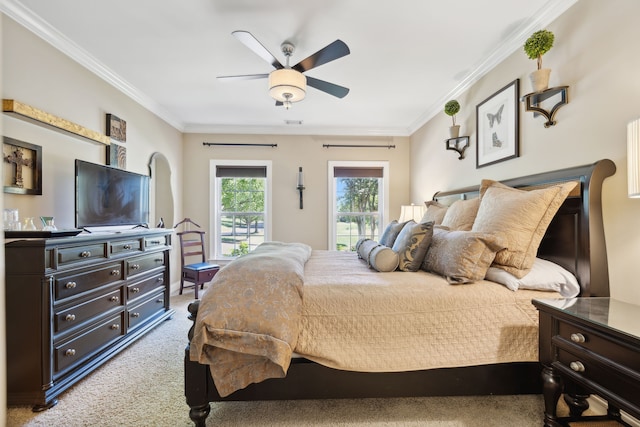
[(600, 405)]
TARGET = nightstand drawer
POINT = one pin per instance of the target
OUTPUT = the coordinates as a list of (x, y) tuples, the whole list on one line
[(585, 367), (606, 347)]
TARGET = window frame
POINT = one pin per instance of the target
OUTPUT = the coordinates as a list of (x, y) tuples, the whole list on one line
[(215, 247), (384, 196)]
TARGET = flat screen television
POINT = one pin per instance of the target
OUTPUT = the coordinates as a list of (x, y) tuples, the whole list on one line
[(107, 197)]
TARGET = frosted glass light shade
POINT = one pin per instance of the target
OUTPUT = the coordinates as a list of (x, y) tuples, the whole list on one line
[(411, 212), (633, 158), (287, 85)]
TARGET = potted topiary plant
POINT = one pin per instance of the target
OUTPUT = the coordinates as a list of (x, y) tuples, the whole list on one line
[(537, 45), (451, 108)]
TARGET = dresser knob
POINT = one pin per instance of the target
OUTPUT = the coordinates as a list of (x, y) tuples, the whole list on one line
[(115, 326), (127, 246), (159, 279), (114, 298), (85, 254), (115, 272), (577, 366), (70, 285), (135, 266), (135, 314), (578, 338), (70, 317), (70, 352), (135, 290), (160, 300)]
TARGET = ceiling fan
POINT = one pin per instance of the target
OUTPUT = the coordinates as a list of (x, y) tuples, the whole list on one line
[(287, 84)]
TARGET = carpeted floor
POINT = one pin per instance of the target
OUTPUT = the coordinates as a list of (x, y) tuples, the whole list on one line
[(143, 386)]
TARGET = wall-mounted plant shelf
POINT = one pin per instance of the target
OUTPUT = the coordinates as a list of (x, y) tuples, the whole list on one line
[(459, 145), (34, 115), (534, 100)]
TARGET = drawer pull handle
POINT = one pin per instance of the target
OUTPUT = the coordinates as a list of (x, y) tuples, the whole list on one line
[(115, 272), (85, 254), (578, 338), (160, 300), (127, 246), (159, 279), (70, 285), (135, 290), (577, 366), (135, 266), (70, 352), (115, 326), (154, 242), (158, 260), (70, 317), (135, 314), (114, 298)]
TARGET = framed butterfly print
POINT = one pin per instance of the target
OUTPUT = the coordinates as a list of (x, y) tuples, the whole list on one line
[(497, 118)]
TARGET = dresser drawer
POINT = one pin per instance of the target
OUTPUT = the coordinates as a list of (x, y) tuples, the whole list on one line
[(607, 347), (73, 284), (71, 353), (156, 242), (125, 246), (76, 254), (77, 315), (144, 286), (144, 263), (146, 310)]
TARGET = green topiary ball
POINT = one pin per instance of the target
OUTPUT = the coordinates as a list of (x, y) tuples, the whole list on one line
[(452, 107), (538, 44)]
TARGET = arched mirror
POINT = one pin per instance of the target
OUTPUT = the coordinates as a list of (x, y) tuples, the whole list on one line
[(160, 194)]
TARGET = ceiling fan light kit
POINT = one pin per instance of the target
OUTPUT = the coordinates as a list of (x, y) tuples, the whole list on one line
[(287, 84)]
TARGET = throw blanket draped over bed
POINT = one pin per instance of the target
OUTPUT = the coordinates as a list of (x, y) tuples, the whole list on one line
[(265, 285)]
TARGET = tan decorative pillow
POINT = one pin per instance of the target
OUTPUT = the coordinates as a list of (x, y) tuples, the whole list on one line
[(461, 214), (412, 244), (435, 212), (461, 256), (521, 217)]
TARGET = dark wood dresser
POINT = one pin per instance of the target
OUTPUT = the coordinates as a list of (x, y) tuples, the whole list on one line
[(72, 303), (589, 346)]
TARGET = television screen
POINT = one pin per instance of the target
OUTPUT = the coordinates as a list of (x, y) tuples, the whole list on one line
[(107, 196)]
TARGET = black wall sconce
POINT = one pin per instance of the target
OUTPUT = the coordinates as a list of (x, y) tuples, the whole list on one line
[(300, 186), (458, 145)]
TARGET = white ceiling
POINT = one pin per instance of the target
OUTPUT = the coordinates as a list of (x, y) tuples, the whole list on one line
[(408, 57)]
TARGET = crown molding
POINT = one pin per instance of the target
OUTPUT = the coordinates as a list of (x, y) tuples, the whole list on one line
[(296, 130), (512, 42)]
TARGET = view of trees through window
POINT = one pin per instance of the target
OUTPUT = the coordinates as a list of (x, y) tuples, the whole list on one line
[(358, 211), (242, 215)]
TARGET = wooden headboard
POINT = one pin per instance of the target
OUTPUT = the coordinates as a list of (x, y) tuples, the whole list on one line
[(575, 238)]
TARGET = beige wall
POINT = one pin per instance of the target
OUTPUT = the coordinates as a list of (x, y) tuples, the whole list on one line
[(36, 74), (594, 54), (309, 225)]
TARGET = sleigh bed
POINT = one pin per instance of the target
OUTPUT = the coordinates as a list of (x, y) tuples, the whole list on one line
[(490, 350)]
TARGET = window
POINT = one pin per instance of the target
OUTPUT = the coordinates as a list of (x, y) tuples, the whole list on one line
[(358, 202), (241, 206)]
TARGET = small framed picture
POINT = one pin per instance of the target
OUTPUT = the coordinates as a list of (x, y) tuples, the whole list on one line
[(497, 118), (22, 172)]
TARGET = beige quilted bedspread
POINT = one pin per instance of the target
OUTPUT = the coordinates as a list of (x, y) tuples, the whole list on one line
[(357, 319)]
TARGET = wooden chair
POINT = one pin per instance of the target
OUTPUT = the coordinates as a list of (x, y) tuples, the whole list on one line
[(192, 246)]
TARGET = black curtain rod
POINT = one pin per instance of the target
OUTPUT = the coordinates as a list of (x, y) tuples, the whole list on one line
[(357, 146), (232, 144)]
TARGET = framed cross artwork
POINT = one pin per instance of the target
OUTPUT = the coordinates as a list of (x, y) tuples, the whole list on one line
[(23, 171)]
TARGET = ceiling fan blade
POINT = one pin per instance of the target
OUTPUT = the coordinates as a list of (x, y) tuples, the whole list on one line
[(245, 77), (252, 43), (330, 88), (329, 53)]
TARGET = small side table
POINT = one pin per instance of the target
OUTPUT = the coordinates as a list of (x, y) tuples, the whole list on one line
[(589, 346)]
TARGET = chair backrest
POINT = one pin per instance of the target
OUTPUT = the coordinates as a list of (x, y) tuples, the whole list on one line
[(191, 244)]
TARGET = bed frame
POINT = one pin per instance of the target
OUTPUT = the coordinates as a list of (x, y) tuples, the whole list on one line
[(574, 240)]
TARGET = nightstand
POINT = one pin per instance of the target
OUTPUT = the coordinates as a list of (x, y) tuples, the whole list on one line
[(589, 346)]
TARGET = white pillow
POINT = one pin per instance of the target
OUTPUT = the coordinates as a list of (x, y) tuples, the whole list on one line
[(544, 276)]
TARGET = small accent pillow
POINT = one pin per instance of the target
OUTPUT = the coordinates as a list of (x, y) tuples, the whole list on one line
[(461, 256), (377, 256), (461, 214), (391, 233), (544, 276), (435, 212), (412, 244), (521, 217)]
